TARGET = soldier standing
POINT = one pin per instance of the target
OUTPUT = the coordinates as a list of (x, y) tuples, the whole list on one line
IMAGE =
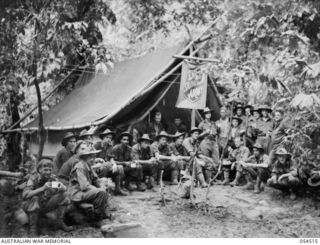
[(264, 126), (279, 131), (155, 127), (177, 126), (207, 126), (236, 129), (223, 125)]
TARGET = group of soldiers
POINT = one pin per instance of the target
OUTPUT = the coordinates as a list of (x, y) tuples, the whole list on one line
[(244, 145)]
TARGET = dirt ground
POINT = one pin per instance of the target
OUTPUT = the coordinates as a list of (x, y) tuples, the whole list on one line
[(232, 212)]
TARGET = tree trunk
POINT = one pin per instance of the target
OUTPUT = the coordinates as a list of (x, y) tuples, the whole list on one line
[(41, 129), (14, 139)]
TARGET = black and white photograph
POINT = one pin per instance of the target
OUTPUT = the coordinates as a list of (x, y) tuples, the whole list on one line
[(159, 119)]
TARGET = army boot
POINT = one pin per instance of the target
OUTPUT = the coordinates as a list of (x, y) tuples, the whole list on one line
[(249, 185), (141, 186), (174, 177), (202, 181), (128, 185), (226, 180), (60, 222), (118, 190), (151, 182), (235, 182)]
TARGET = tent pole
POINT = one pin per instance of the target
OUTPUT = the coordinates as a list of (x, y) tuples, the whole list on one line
[(193, 118)]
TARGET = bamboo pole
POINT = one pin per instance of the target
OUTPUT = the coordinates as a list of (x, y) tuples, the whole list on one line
[(194, 58)]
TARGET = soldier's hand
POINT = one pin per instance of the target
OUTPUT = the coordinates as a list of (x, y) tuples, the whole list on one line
[(174, 158), (153, 160), (62, 187), (47, 186), (99, 160), (19, 175), (283, 176)]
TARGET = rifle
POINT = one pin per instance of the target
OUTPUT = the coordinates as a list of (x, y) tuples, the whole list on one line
[(245, 132)]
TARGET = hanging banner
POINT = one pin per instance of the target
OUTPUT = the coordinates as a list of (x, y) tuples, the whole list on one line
[(193, 86)]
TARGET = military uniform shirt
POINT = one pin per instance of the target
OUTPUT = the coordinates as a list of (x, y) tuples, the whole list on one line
[(205, 125), (141, 154), (62, 156), (179, 150), (106, 152), (122, 153), (164, 150)]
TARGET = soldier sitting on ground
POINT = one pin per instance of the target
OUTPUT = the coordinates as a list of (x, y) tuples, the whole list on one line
[(44, 194), (122, 153), (179, 150), (284, 173), (209, 149), (68, 142), (166, 159), (87, 136), (256, 167), (236, 155), (141, 154), (65, 170), (192, 145), (106, 166), (85, 185)]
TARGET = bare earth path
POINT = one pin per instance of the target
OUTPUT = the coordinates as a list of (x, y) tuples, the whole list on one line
[(232, 212)]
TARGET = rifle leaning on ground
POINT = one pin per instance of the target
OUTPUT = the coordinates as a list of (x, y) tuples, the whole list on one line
[(222, 154)]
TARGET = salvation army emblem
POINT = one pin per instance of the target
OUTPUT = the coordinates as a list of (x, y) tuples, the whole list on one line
[(193, 88)]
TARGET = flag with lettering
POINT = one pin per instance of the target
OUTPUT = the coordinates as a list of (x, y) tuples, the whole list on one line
[(193, 86)]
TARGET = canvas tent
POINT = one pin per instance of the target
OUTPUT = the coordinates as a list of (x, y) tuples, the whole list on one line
[(125, 95)]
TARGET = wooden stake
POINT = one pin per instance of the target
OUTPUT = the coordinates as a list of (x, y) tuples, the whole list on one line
[(192, 181), (163, 200)]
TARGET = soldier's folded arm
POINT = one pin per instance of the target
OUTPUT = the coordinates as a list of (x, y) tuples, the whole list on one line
[(30, 192)]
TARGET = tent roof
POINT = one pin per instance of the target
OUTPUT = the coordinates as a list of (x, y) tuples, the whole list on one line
[(100, 95)]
